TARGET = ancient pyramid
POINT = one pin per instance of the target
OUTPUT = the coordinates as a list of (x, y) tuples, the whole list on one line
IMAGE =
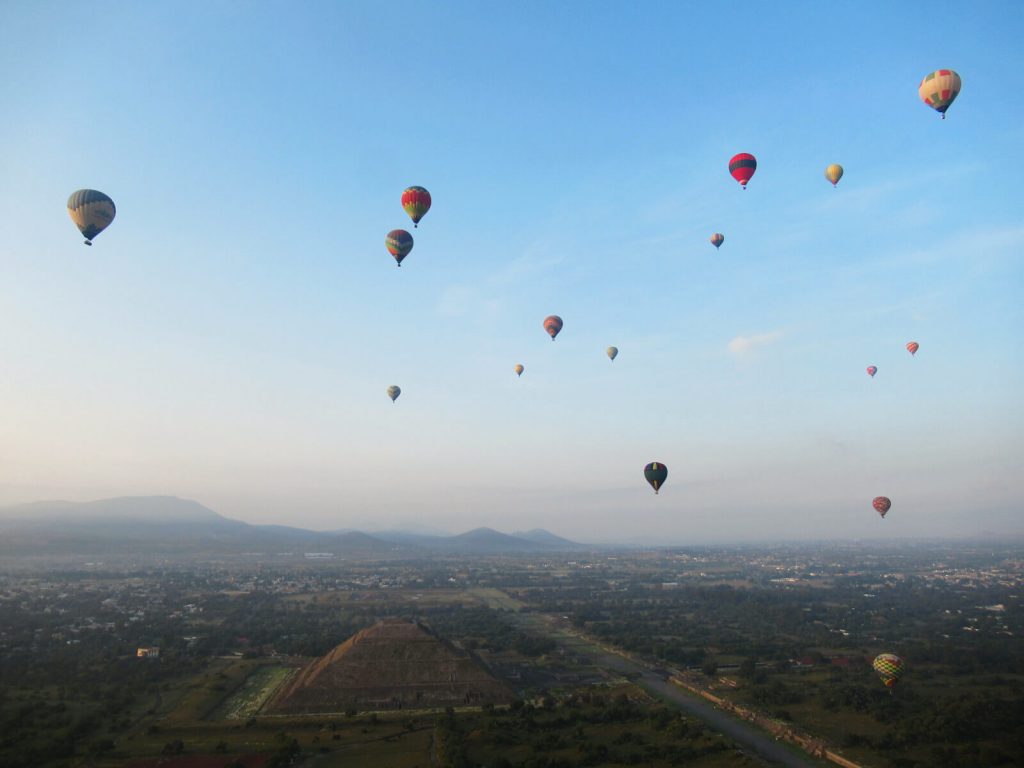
[(394, 664)]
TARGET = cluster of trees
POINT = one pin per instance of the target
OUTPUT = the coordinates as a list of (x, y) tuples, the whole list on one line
[(573, 733), (59, 700), (968, 728), (950, 641), (77, 706)]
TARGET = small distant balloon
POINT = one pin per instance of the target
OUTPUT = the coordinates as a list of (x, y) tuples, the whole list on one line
[(655, 474), (939, 89), (912, 347), (742, 167), (552, 324), (399, 243), (612, 353), (881, 505), (717, 239), (416, 203), (394, 392), (519, 369), (92, 211), (834, 173), (872, 370), (889, 667)]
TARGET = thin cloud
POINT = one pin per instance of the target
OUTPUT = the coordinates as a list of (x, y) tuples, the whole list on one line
[(538, 259), (484, 297), (460, 300), (744, 345)]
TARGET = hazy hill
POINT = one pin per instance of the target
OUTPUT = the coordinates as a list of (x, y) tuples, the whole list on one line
[(167, 525), (548, 539), (157, 525), (134, 509), (490, 540)]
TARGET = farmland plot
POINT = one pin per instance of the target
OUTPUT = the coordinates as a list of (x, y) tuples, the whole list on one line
[(253, 693)]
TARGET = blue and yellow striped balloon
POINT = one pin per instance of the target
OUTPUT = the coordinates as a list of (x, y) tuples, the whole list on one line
[(91, 211)]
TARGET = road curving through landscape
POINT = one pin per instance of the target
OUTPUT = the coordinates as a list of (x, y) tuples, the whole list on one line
[(751, 738)]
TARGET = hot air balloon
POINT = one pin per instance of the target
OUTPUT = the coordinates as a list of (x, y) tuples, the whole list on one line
[(91, 211), (872, 370), (394, 392), (612, 353), (938, 90), (834, 173), (889, 667), (398, 243), (881, 505), (416, 202), (552, 324), (742, 167), (912, 347), (717, 239), (519, 369), (655, 474)]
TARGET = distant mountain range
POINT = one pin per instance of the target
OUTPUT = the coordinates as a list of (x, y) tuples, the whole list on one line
[(166, 525)]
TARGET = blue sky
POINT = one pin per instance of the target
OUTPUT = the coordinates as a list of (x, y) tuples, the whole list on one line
[(231, 336)]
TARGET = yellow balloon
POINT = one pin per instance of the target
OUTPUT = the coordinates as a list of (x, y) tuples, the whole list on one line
[(834, 173), (939, 89)]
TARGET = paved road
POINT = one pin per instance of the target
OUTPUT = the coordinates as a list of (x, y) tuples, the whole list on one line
[(748, 736)]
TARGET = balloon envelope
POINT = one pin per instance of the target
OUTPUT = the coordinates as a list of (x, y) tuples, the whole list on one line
[(519, 369), (92, 211), (834, 173), (552, 324), (717, 239), (394, 392), (399, 243), (416, 203), (889, 667), (742, 167), (872, 370), (912, 347), (612, 352), (655, 474), (939, 89), (881, 504)]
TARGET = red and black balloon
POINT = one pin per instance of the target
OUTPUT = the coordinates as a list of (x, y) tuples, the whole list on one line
[(742, 167)]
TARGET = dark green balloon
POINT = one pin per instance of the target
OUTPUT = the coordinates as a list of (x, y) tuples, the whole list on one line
[(655, 474)]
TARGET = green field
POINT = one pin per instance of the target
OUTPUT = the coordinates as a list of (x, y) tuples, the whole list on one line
[(496, 599), (254, 692)]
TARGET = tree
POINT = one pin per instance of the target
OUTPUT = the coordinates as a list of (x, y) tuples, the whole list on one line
[(748, 668)]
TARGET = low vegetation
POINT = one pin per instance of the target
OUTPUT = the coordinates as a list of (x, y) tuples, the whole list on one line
[(789, 633)]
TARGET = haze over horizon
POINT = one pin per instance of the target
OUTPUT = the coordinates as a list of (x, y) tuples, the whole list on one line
[(229, 339)]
